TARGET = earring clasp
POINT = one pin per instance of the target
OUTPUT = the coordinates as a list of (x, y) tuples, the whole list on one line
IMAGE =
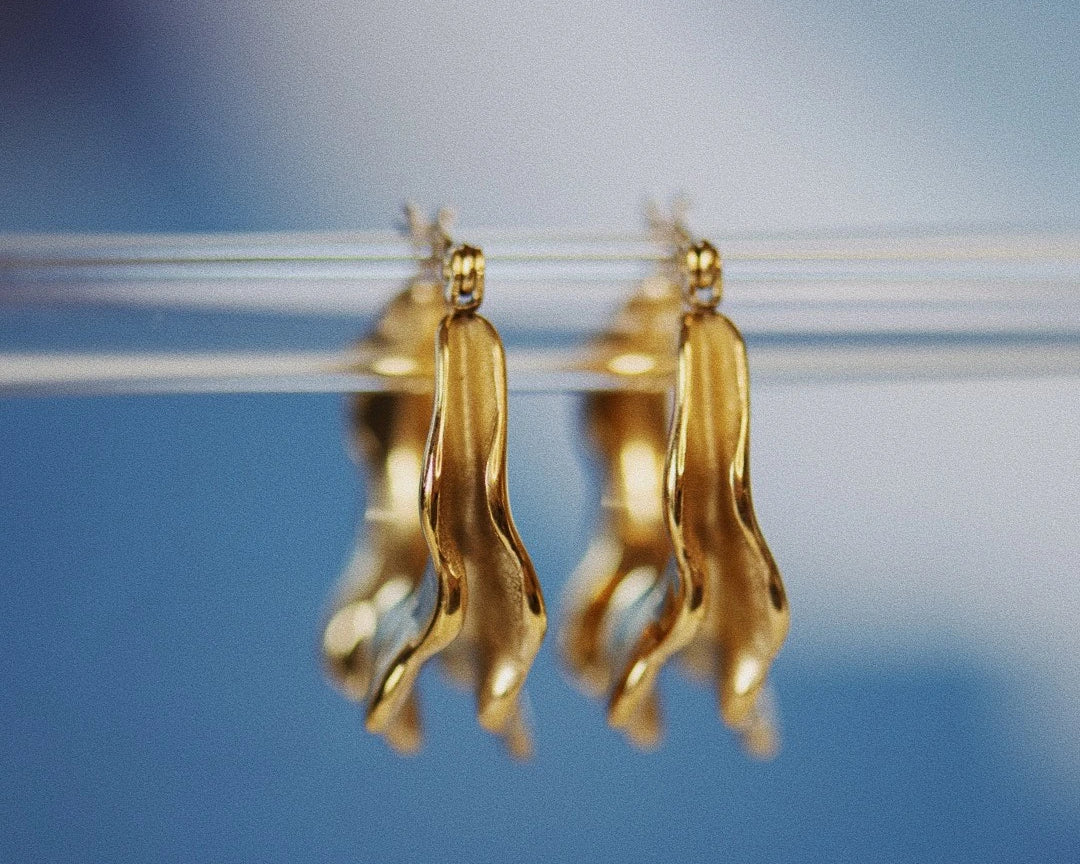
[(464, 275)]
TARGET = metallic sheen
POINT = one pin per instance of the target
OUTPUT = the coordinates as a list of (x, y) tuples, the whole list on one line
[(628, 608), (466, 518), (378, 608), (713, 527), (479, 601)]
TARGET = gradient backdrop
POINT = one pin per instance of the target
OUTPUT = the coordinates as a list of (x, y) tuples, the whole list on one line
[(164, 562)]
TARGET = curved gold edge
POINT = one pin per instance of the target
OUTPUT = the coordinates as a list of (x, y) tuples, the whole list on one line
[(392, 688), (710, 514), (388, 434), (683, 609), (625, 428), (630, 703), (482, 564)]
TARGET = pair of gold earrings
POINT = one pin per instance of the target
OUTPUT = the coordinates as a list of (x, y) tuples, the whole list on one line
[(678, 566)]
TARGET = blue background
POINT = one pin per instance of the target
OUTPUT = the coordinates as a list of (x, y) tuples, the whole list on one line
[(166, 562)]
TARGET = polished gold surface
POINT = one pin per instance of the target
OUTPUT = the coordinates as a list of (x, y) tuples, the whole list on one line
[(720, 600), (628, 609), (464, 275), (383, 602), (396, 611), (703, 278), (466, 516), (713, 527)]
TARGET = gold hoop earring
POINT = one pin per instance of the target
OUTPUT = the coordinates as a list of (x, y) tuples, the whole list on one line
[(710, 512), (480, 604), (387, 588), (721, 603), (466, 516), (628, 609)]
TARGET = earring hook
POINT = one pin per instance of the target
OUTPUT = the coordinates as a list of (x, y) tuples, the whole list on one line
[(430, 237)]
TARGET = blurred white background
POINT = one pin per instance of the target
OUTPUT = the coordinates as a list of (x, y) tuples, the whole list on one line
[(328, 114)]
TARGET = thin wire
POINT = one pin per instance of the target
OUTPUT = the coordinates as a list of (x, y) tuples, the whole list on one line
[(544, 371), (78, 251), (935, 306)]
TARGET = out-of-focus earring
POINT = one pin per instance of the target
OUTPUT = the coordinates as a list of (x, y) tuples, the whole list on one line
[(631, 604), (465, 510), (710, 513), (384, 589), (480, 600), (628, 608)]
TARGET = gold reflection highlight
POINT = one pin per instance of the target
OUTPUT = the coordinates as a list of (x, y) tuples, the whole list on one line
[(383, 600), (711, 516), (678, 563), (438, 566), (627, 609)]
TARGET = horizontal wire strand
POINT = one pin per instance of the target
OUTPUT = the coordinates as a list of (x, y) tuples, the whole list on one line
[(42, 251), (930, 306)]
